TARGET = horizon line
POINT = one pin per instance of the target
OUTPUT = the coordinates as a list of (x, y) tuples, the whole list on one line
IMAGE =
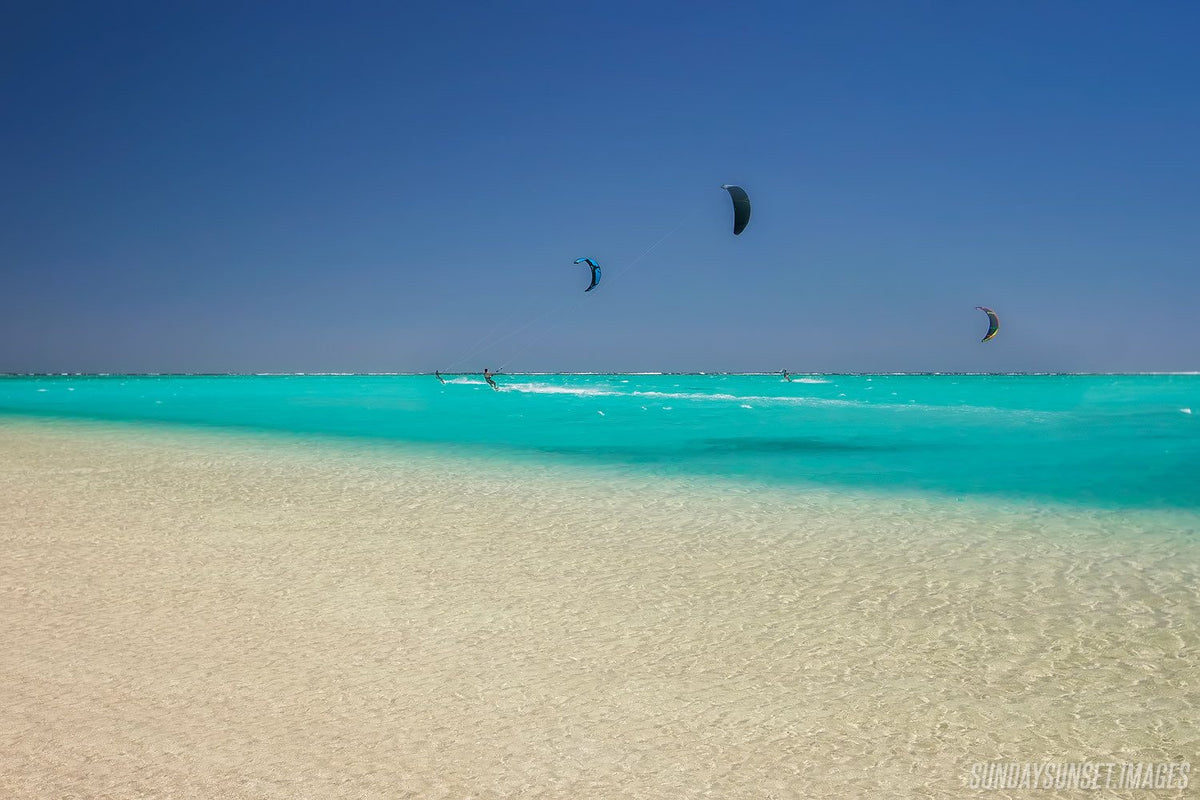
[(642, 373)]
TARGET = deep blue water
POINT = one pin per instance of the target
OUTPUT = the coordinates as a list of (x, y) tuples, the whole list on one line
[(1098, 440)]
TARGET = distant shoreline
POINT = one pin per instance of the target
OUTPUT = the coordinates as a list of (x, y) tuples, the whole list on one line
[(476, 372)]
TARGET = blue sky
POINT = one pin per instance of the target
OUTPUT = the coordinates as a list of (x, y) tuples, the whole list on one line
[(380, 186)]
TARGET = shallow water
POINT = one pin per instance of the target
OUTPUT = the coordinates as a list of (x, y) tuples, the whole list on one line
[(1115, 441), (200, 613), (593, 586)]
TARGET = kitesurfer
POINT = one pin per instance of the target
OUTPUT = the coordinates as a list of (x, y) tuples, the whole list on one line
[(787, 377), (487, 376), (438, 375)]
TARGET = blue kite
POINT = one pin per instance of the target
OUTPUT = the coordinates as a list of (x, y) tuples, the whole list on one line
[(595, 271)]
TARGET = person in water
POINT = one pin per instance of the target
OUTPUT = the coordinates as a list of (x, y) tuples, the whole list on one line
[(787, 377), (487, 376), (438, 375)]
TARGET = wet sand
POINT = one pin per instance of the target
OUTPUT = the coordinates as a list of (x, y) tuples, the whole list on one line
[(195, 614)]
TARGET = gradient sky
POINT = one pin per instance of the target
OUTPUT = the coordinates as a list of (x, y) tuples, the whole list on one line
[(379, 186)]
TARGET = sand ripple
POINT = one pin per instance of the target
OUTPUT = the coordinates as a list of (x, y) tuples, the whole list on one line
[(191, 616)]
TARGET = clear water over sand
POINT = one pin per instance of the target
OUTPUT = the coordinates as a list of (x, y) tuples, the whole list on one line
[(231, 615)]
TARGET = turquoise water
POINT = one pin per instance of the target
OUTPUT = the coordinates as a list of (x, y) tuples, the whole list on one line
[(1120, 441)]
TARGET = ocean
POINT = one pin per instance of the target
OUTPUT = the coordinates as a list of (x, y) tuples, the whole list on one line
[(1114, 441)]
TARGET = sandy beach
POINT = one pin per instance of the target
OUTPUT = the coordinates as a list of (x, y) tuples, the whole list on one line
[(193, 614)]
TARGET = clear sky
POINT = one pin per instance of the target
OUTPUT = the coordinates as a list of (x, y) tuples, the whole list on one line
[(379, 186)]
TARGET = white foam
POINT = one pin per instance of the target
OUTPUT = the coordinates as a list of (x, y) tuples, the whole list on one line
[(687, 395), (546, 388), (722, 397)]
